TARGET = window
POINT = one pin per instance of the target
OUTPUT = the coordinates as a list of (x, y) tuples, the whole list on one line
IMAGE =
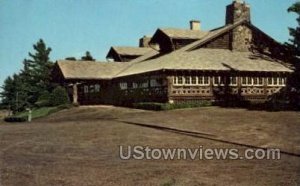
[(145, 84), (86, 89), (217, 80), (244, 80), (255, 81), (92, 88), (187, 80), (206, 80), (123, 85), (194, 80), (97, 88), (134, 85), (260, 81), (270, 81), (275, 81), (200, 80), (180, 80), (249, 81), (175, 80), (233, 80)]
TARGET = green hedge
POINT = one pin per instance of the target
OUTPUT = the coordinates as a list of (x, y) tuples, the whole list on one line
[(168, 106)]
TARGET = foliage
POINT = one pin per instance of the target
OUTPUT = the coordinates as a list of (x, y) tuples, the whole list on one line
[(44, 99), (168, 106), (70, 58), (15, 119), (295, 32), (59, 96), (25, 88), (87, 57)]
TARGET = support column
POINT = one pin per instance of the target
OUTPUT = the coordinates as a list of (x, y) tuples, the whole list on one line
[(75, 94)]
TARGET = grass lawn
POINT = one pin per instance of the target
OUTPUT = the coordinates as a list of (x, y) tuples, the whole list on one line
[(39, 112), (80, 146)]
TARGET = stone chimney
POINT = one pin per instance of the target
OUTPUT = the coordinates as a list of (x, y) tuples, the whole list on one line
[(236, 11), (195, 25)]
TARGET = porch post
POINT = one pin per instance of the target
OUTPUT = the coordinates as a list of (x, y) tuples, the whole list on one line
[(75, 94)]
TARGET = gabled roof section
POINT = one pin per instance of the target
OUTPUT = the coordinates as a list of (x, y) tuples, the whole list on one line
[(212, 35), (132, 51), (176, 33), (89, 70)]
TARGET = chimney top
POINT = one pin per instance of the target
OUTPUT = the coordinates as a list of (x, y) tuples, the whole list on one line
[(195, 25)]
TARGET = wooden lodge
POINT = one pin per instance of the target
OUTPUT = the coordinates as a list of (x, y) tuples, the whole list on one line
[(237, 61)]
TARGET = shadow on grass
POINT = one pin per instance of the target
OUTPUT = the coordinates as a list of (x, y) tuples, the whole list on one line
[(203, 136)]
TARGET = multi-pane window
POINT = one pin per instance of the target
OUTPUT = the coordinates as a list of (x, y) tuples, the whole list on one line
[(180, 80), (123, 85), (233, 80), (270, 80), (244, 80), (217, 80), (97, 88), (200, 80), (187, 80), (206, 80), (194, 80)]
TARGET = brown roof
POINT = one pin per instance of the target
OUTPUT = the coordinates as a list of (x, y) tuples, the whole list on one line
[(89, 69), (133, 51), (183, 33), (208, 59)]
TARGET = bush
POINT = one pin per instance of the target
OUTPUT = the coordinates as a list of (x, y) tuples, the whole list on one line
[(59, 96), (168, 106), (15, 119), (43, 100)]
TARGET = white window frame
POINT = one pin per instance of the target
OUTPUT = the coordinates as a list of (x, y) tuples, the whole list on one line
[(185, 80), (236, 81), (278, 84), (219, 80)]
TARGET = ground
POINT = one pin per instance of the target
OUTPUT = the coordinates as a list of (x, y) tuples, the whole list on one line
[(80, 146)]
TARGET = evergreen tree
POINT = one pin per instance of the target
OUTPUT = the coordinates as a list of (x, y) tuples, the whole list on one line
[(37, 71), (87, 57), (295, 32)]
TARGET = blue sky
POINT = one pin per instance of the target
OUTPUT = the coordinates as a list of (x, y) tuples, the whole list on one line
[(71, 27)]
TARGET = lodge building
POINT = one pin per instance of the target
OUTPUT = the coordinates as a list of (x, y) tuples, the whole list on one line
[(236, 61)]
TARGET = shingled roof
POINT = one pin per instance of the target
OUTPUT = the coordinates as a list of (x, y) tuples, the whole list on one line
[(208, 59), (89, 69), (183, 33), (133, 51)]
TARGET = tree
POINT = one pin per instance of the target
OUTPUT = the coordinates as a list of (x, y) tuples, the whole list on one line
[(87, 57), (23, 90), (37, 71), (295, 32), (14, 93)]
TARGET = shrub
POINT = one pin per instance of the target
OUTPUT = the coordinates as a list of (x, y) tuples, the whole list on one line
[(15, 119), (168, 106), (43, 100), (59, 96)]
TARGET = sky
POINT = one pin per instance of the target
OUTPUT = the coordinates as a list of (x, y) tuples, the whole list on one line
[(71, 27)]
